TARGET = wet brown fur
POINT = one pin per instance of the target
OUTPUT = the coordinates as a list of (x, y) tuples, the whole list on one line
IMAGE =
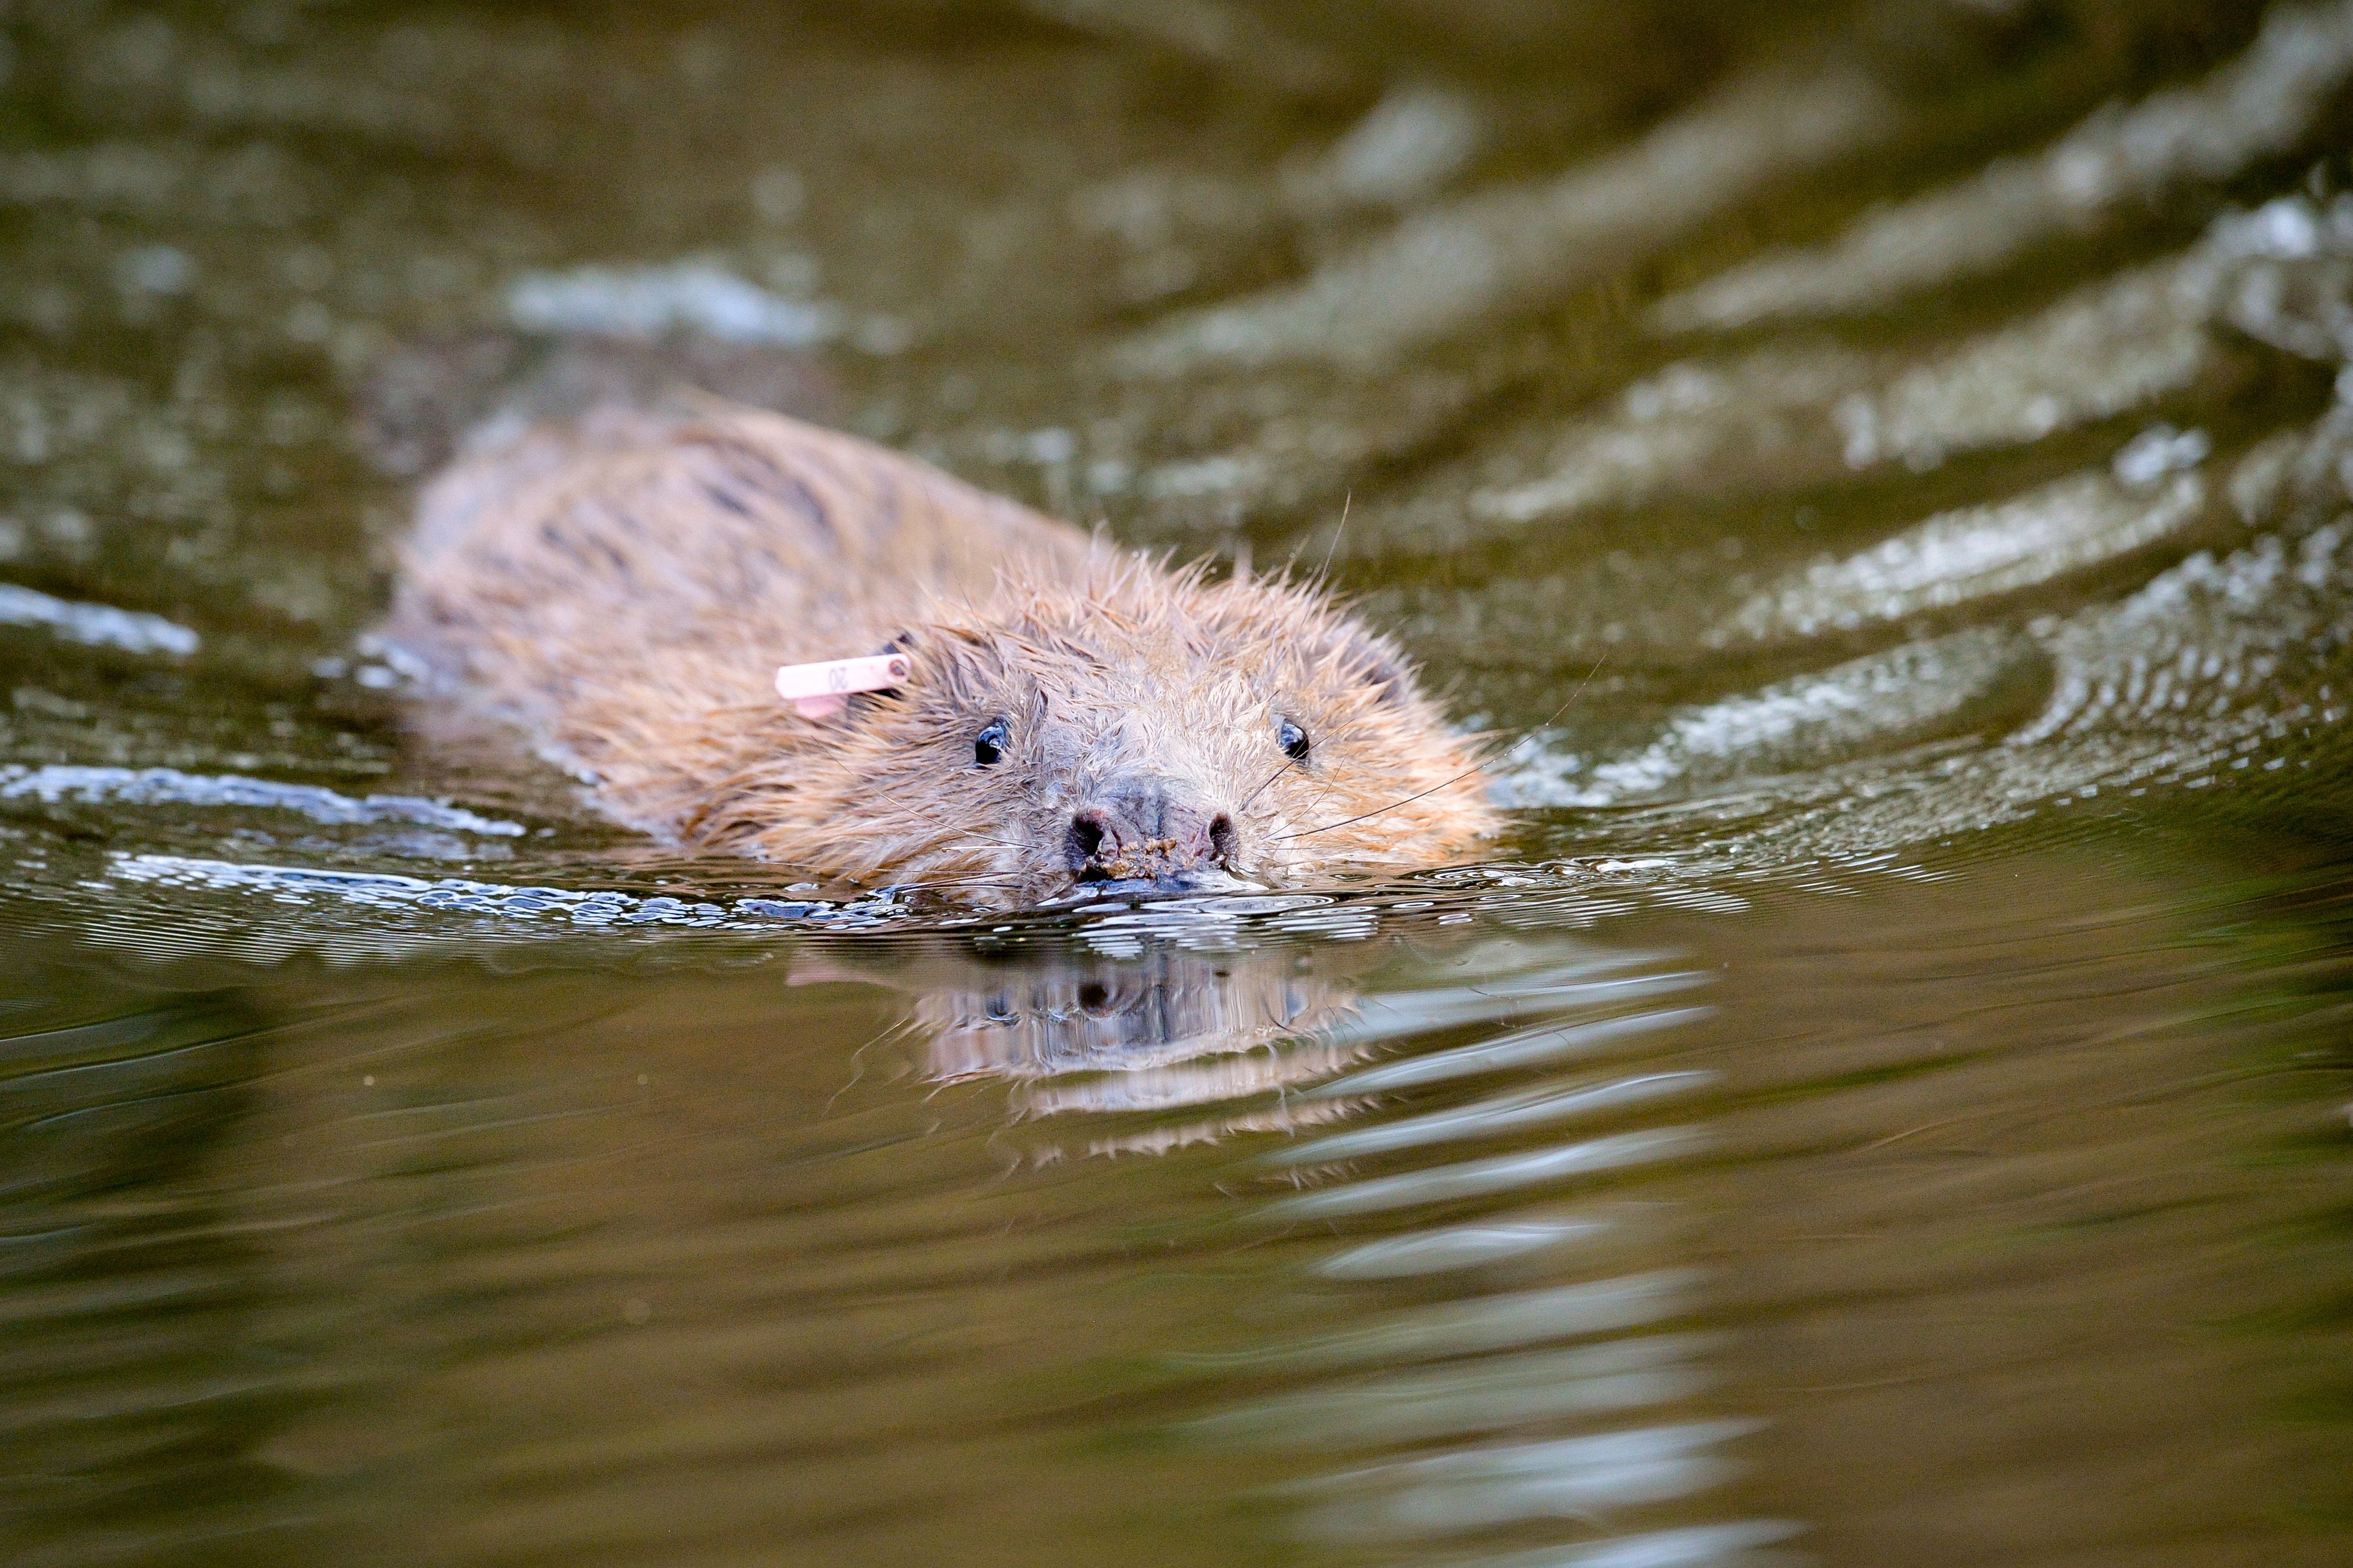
[(623, 589)]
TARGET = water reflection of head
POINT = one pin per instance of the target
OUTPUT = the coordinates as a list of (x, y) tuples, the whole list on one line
[(1166, 1029), (1162, 1029)]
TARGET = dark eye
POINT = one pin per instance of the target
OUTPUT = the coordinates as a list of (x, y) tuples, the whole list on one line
[(1293, 739), (989, 744)]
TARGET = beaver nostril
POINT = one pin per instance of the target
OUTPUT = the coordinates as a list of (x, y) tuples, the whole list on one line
[(1087, 835), (1223, 840)]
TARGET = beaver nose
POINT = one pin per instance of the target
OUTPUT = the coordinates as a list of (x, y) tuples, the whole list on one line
[(1148, 828)]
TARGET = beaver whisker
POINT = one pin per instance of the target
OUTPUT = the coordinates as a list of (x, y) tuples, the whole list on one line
[(1367, 816), (939, 882), (967, 876), (1323, 573), (1270, 778), (1484, 762), (976, 876), (1291, 762), (1293, 562)]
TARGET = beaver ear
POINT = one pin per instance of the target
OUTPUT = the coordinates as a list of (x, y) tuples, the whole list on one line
[(1375, 660), (861, 704), (938, 656)]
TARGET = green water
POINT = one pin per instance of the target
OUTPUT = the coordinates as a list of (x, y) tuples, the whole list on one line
[(1887, 1102)]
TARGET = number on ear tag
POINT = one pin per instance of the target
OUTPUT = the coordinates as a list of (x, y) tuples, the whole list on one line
[(822, 691)]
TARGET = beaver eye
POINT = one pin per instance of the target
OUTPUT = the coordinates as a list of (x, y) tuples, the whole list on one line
[(1293, 741), (989, 744)]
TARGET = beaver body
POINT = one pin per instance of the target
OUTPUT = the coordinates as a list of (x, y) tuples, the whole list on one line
[(624, 588)]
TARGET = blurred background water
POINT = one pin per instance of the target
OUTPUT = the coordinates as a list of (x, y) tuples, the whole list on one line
[(1887, 1103)]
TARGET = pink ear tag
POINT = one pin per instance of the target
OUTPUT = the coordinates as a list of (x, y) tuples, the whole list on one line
[(822, 691)]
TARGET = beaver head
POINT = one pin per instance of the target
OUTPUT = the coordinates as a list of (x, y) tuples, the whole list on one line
[(1131, 729)]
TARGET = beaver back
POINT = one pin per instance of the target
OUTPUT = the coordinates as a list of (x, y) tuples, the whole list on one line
[(575, 556)]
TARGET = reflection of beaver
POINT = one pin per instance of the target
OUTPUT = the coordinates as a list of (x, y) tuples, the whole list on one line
[(624, 588)]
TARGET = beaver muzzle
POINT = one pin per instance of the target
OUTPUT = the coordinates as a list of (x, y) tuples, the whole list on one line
[(1149, 829)]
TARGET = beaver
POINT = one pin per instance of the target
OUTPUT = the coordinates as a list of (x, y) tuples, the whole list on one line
[(1070, 716)]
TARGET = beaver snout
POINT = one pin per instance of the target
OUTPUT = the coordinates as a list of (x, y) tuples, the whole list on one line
[(1148, 828)]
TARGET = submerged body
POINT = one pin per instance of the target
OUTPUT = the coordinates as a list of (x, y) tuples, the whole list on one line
[(623, 589)]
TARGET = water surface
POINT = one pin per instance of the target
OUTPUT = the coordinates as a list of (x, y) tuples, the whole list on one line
[(1883, 470)]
